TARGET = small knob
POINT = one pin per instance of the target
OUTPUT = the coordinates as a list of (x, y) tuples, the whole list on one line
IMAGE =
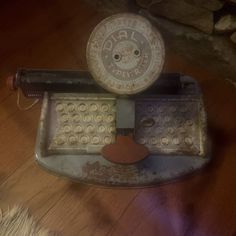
[(10, 81)]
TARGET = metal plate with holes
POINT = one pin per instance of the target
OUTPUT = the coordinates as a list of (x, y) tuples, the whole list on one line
[(125, 54), (80, 123), (171, 125)]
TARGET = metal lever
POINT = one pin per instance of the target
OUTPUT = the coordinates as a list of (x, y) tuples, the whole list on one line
[(125, 150)]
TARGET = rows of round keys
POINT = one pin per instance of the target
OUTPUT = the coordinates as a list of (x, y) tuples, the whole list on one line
[(171, 126), (83, 124), (165, 126)]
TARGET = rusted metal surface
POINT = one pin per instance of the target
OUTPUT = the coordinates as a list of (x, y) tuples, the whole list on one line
[(84, 135), (125, 54), (171, 125), (34, 82), (81, 123), (177, 125)]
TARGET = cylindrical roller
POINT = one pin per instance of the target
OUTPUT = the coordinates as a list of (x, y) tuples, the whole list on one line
[(35, 82)]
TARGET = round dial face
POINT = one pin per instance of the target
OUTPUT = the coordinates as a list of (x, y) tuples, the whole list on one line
[(125, 53)]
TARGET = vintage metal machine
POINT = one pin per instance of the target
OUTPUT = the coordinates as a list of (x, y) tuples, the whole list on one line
[(123, 123)]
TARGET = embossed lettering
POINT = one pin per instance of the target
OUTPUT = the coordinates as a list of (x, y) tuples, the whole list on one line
[(108, 45), (132, 36), (122, 34)]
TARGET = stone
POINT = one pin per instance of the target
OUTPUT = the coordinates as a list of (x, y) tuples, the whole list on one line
[(196, 47), (231, 1), (146, 3), (233, 37), (212, 5), (226, 24), (185, 13)]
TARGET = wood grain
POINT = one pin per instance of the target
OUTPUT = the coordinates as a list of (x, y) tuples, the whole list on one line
[(53, 34)]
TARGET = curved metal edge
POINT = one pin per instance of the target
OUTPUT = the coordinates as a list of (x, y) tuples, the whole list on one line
[(151, 175), (154, 28), (95, 170)]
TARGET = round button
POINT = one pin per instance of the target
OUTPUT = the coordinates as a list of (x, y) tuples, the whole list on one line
[(125, 53), (109, 118), (84, 139), (78, 129), (176, 141), (101, 129), (161, 109), (64, 118), (170, 130), (93, 107), (104, 107), (173, 109), (167, 119), (82, 107), (189, 122), (188, 140), (153, 141), (165, 141), (142, 140), (66, 128), (95, 140), (71, 107), (76, 118), (111, 129), (150, 108), (107, 140), (59, 107), (60, 140), (184, 109), (89, 129), (98, 118), (72, 140), (87, 118)]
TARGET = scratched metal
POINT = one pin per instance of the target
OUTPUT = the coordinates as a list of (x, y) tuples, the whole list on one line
[(125, 53), (81, 124), (171, 125), (169, 160)]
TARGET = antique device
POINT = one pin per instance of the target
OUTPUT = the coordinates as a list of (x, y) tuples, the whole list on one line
[(123, 123)]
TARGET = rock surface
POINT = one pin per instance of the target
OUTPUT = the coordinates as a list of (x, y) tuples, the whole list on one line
[(146, 3), (185, 13), (226, 23), (231, 1), (233, 37), (214, 52), (212, 5)]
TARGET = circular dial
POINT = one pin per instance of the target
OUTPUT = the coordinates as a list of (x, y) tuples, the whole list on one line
[(125, 53)]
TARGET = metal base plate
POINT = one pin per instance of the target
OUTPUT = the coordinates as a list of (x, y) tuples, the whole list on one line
[(74, 127)]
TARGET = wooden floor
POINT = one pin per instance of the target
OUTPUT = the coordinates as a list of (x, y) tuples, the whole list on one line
[(53, 34)]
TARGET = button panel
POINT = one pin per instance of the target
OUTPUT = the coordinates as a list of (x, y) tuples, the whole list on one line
[(168, 126), (83, 124)]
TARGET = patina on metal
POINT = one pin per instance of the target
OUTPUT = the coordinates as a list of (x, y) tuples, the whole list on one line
[(171, 125), (125, 54)]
